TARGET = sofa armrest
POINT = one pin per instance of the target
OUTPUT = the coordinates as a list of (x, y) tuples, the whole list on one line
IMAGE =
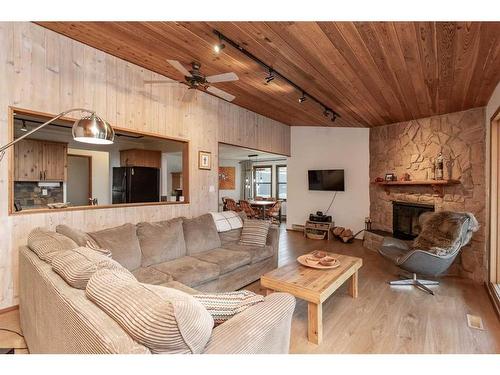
[(273, 240), (261, 329)]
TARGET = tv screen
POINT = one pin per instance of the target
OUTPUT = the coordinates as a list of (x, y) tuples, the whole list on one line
[(327, 180)]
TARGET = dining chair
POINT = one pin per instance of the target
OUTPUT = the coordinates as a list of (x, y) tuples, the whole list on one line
[(245, 206), (231, 205), (274, 212)]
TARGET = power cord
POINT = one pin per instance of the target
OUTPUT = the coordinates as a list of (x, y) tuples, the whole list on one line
[(11, 331), (15, 332), (334, 196)]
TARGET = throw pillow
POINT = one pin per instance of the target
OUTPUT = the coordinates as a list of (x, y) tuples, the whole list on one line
[(163, 319), (200, 234), (227, 220), (161, 241), (223, 306), (77, 266), (123, 243), (254, 232), (80, 237), (47, 244)]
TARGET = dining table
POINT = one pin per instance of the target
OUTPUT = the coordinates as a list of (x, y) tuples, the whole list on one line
[(261, 206)]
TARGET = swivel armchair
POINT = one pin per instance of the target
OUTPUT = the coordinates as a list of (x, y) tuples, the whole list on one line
[(432, 258)]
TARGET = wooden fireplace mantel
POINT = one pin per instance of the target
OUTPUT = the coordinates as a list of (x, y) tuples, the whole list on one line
[(436, 185)]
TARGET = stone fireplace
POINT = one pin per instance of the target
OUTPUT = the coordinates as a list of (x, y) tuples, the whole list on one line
[(411, 147), (405, 225)]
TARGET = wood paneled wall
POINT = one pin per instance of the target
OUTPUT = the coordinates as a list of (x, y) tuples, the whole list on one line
[(44, 71)]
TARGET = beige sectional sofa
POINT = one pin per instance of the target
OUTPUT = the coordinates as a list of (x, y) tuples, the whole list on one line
[(185, 254)]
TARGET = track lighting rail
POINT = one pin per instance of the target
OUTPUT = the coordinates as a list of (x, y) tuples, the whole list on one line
[(274, 73)]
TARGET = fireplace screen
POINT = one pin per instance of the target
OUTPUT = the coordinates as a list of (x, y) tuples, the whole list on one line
[(405, 216)]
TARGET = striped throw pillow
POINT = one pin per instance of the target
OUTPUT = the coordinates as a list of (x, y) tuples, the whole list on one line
[(223, 306), (163, 319), (47, 244), (77, 266), (254, 232)]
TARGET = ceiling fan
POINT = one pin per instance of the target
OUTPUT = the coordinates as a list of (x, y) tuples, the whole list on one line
[(194, 79)]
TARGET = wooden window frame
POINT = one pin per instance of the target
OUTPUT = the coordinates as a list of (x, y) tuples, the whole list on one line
[(278, 183), (10, 153), (493, 283), (254, 169)]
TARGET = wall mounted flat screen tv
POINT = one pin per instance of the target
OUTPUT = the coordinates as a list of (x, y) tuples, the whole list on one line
[(326, 180)]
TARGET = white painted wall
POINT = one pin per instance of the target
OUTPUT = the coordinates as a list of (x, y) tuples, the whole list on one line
[(329, 148), (236, 193), (100, 174)]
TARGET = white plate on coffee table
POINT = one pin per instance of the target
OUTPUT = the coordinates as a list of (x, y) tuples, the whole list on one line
[(303, 259)]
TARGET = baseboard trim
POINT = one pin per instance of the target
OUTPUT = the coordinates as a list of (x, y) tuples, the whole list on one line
[(9, 309), (494, 293)]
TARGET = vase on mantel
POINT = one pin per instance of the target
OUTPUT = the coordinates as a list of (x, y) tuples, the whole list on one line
[(439, 167)]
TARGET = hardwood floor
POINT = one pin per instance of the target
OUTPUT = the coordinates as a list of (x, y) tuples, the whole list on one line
[(385, 319), (382, 319)]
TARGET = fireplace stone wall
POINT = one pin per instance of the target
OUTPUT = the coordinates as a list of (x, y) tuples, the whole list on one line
[(411, 147)]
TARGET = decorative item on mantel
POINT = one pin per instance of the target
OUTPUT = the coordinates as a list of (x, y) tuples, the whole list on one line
[(439, 167), (405, 177)]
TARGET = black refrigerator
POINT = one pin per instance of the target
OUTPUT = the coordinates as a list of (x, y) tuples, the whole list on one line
[(136, 185)]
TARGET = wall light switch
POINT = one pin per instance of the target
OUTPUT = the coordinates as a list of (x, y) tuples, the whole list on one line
[(44, 192), (211, 188)]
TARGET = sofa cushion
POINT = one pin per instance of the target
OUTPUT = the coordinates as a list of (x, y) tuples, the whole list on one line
[(226, 220), (227, 260), (230, 236), (149, 275), (123, 243), (76, 266), (47, 244), (161, 241), (180, 286), (223, 306), (257, 253), (163, 319), (200, 234), (254, 232), (81, 238), (189, 270)]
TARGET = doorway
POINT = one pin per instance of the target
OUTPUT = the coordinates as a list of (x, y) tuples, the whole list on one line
[(79, 184)]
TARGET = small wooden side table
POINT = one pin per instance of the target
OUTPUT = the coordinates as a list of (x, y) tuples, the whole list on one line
[(319, 226), (314, 286)]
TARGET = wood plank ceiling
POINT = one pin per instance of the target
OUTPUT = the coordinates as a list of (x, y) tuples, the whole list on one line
[(371, 73)]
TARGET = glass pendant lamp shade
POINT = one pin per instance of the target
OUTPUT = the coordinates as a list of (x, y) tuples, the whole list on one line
[(93, 129)]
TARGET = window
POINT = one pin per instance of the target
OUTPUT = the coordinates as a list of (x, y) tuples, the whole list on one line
[(262, 177), (281, 181)]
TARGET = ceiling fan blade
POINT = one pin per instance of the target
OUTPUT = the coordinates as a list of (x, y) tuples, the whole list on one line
[(221, 94), (177, 65), (224, 77)]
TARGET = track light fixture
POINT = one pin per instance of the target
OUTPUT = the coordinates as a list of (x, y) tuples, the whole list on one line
[(273, 74), (270, 76), (219, 47), (24, 128)]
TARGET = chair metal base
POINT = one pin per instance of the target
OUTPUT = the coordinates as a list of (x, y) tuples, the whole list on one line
[(419, 283)]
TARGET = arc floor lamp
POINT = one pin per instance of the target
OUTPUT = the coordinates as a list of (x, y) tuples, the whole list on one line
[(88, 129)]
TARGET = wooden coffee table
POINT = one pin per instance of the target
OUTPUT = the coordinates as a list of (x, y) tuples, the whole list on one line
[(314, 286)]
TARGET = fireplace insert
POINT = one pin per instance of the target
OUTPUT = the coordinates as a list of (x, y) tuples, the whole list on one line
[(405, 219)]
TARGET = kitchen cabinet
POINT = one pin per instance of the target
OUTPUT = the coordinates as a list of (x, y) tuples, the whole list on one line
[(40, 160), (140, 158)]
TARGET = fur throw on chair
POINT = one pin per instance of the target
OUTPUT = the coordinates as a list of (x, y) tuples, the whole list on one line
[(441, 232)]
